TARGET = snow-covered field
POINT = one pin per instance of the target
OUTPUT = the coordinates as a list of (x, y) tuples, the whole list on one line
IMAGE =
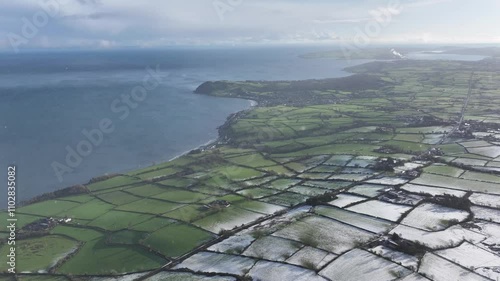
[(339, 160), (370, 190), (216, 225), (272, 271), (217, 263), (359, 265), (456, 183), (272, 248), (470, 162), (327, 234), (486, 214), (439, 269), (261, 207), (481, 261), (362, 161), (315, 176), (380, 209), (349, 177), (476, 143), (495, 164), (346, 199), (259, 181), (347, 238), (439, 239), (396, 257), (433, 217), (434, 191), (316, 257), (485, 200), (414, 277), (235, 243), (307, 190), (358, 220), (408, 167), (388, 181), (181, 276), (470, 175), (491, 231), (488, 151)]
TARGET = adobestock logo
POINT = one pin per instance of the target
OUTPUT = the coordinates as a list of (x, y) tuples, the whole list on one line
[(32, 25), (381, 18), (222, 7)]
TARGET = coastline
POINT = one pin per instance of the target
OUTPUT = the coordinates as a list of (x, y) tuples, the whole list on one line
[(206, 146), (212, 143), (162, 144), (203, 147)]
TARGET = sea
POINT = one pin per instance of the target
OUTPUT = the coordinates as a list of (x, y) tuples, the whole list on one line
[(68, 116)]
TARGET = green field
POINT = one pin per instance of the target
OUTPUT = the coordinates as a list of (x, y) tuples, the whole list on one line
[(100, 257), (177, 239), (113, 182), (77, 233), (291, 149), (40, 253), (117, 220)]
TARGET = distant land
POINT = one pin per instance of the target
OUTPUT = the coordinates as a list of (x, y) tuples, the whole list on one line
[(392, 173), (388, 53)]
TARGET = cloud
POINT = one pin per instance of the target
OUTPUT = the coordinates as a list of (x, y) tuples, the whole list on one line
[(424, 3), (352, 20), (114, 23)]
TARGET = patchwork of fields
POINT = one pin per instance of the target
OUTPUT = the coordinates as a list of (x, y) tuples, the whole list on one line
[(379, 183)]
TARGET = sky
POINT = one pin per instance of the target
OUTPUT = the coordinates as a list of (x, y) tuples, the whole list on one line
[(101, 24)]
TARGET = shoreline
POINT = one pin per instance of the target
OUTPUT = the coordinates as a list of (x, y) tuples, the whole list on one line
[(208, 145), (203, 147), (211, 143)]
